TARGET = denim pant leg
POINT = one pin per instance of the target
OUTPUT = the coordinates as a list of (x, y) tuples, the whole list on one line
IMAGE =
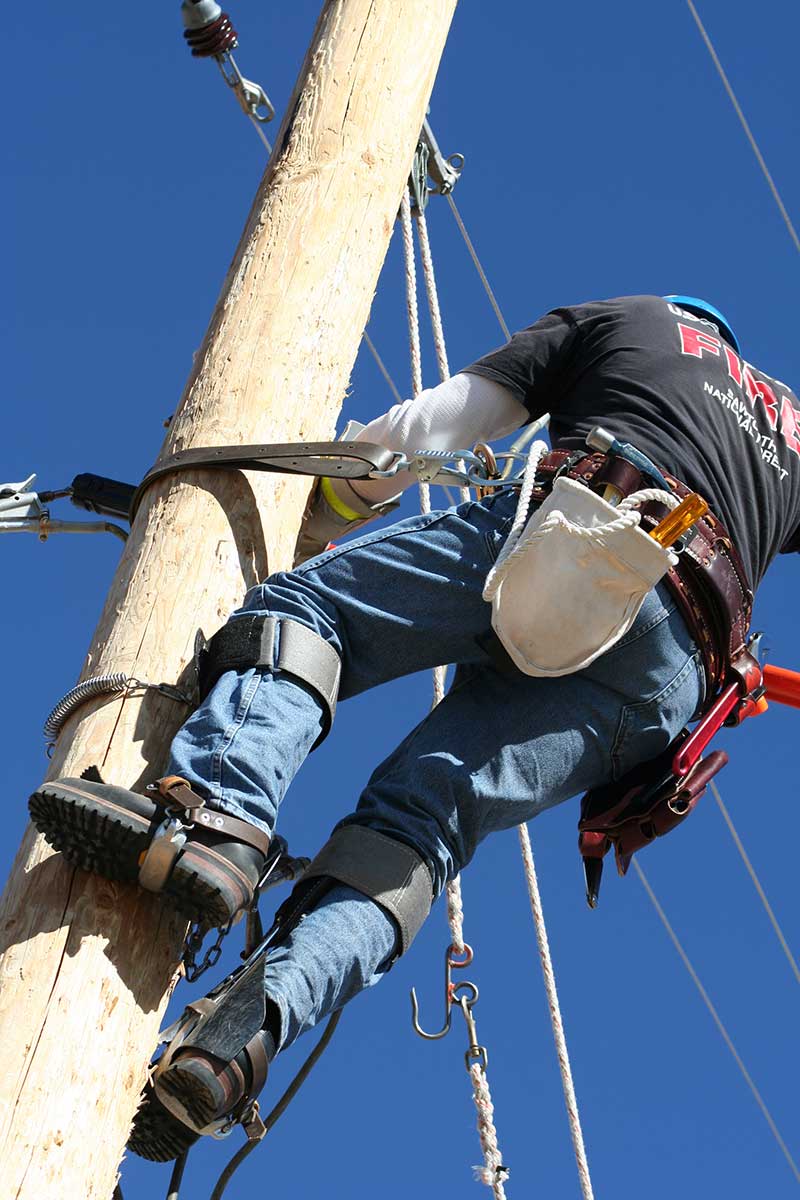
[(496, 752), (400, 599)]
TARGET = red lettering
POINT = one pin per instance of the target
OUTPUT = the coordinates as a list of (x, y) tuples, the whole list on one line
[(790, 424), (694, 341), (734, 365), (758, 389)]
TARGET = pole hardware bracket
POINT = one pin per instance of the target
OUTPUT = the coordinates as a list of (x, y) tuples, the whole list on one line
[(23, 510), (431, 173)]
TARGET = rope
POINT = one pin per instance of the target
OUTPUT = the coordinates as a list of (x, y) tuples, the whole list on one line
[(382, 367), (473, 255), (512, 543), (555, 1013), (492, 1173), (717, 1021), (756, 882), (743, 120)]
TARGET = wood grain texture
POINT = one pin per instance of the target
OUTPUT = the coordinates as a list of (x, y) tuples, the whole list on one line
[(86, 966)]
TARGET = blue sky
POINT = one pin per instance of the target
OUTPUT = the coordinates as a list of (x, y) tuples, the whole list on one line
[(603, 158)]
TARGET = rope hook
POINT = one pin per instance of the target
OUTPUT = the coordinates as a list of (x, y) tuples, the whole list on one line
[(451, 990)]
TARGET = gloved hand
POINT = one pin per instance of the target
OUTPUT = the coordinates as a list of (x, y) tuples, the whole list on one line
[(334, 510)]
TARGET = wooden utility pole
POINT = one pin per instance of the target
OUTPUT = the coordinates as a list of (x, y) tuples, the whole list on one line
[(87, 966)]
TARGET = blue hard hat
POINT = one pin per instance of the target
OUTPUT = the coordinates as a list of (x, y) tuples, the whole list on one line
[(701, 308)]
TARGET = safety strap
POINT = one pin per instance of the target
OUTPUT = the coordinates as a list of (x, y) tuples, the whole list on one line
[(279, 644), (339, 460), (386, 870)]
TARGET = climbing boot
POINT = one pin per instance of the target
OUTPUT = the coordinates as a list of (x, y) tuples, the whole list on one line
[(206, 863), (215, 1063)]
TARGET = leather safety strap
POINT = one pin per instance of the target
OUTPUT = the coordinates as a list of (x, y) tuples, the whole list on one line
[(175, 793), (278, 644), (382, 868), (339, 460)]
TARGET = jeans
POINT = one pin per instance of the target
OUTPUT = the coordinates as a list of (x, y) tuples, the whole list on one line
[(496, 752)]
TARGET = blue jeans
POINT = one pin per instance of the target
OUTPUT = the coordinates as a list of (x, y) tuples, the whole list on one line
[(497, 752)]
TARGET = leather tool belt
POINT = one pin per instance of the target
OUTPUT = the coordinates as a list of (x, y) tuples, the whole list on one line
[(712, 593)]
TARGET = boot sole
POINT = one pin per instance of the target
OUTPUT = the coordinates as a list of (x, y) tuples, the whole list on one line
[(109, 840), (156, 1134), (187, 1091)]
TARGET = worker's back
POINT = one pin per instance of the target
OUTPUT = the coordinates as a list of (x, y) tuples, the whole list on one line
[(655, 375)]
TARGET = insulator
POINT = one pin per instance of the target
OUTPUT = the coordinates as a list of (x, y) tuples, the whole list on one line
[(208, 31)]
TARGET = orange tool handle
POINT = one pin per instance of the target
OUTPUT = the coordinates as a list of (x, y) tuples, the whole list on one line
[(782, 686)]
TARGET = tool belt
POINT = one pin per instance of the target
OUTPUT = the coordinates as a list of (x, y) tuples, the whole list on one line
[(713, 595)]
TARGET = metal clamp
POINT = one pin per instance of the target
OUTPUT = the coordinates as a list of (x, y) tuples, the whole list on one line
[(431, 173), (252, 98), (22, 511)]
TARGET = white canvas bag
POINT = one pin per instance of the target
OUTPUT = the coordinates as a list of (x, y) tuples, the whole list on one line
[(567, 586)]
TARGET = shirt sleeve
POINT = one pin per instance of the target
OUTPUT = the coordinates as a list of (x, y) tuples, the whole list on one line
[(531, 363)]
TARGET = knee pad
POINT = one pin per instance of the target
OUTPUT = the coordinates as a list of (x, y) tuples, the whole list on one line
[(385, 870), (281, 645)]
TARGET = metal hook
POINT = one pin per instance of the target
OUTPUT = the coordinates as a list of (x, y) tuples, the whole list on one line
[(451, 963)]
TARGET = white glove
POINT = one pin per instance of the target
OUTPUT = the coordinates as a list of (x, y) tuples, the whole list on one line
[(462, 410)]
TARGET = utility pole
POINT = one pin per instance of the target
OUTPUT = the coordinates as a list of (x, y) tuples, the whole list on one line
[(87, 966)]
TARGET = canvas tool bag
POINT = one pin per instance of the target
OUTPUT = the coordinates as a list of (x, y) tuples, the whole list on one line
[(569, 583)]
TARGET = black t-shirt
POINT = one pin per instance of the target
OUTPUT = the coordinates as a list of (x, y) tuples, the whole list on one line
[(666, 381)]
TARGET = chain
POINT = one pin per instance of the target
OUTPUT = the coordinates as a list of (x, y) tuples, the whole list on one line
[(193, 945)]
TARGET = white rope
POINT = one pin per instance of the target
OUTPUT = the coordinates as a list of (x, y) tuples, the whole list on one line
[(555, 1013), (493, 1173), (740, 114), (756, 882), (512, 542), (717, 1020), (433, 296)]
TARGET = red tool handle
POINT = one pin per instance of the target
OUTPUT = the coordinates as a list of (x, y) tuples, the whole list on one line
[(782, 686), (690, 750)]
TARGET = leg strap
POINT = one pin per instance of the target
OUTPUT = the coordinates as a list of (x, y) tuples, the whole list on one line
[(387, 871), (279, 644)]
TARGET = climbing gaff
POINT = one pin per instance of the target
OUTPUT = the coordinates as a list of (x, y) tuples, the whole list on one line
[(451, 962)]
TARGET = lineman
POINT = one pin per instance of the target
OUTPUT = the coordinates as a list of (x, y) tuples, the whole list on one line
[(663, 374)]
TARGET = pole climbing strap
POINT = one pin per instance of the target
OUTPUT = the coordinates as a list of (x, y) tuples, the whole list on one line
[(339, 460), (278, 644), (382, 868)]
